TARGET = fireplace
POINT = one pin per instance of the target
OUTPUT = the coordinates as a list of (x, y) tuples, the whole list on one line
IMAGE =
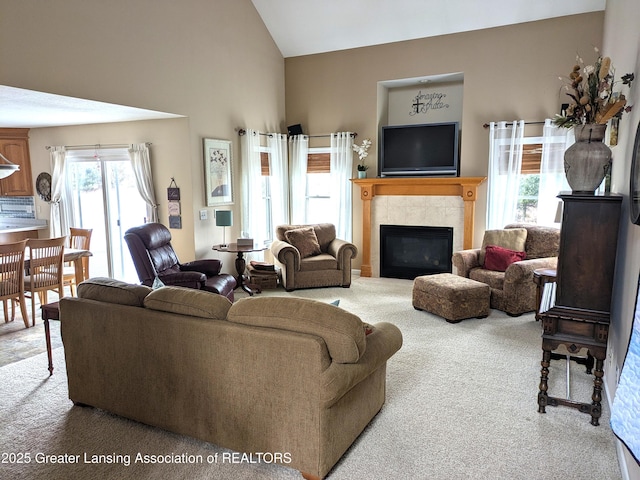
[(410, 251)]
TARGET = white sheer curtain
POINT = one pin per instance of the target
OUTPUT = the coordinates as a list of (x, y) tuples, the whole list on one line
[(253, 222), (505, 160), (341, 171), (60, 215), (299, 147), (555, 140), (141, 164), (279, 180)]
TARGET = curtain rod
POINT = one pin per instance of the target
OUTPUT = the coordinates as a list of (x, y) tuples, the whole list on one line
[(486, 125), (242, 131), (353, 135), (98, 146)]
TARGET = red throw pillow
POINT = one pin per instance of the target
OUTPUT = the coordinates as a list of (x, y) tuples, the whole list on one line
[(499, 258)]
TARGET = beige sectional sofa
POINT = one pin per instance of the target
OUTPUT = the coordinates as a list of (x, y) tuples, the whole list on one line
[(265, 374)]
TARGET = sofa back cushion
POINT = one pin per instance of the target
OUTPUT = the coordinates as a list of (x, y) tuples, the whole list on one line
[(512, 238), (113, 291), (342, 332), (542, 242), (188, 301)]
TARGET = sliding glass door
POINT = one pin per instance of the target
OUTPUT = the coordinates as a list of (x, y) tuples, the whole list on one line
[(104, 197)]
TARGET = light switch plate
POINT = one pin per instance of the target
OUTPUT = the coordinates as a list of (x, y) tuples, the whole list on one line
[(203, 215)]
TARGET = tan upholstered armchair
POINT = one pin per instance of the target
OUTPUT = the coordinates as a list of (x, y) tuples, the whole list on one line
[(311, 256), (512, 290)]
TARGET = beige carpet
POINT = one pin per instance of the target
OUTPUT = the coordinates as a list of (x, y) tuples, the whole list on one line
[(461, 404)]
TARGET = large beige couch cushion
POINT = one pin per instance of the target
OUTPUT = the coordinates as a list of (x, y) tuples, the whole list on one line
[(113, 291), (187, 301), (342, 331)]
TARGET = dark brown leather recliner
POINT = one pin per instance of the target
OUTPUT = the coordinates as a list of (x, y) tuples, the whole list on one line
[(153, 256)]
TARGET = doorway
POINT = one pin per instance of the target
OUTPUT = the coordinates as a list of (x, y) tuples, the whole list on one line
[(102, 188)]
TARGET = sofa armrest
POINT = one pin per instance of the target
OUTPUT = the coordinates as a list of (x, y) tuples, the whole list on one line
[(342, 331), (465, 260), (522, 271), (343, 252), (209, 266), (184, 279), (338, 379), (286, 254)]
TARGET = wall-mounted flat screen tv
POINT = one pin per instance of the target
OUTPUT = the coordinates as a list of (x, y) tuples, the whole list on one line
[(429, 149)]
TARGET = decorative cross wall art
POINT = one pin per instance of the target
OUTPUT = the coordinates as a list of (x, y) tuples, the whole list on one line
[(423, 102)]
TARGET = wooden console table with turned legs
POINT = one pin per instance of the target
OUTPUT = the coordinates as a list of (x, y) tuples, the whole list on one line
[(561, 326)]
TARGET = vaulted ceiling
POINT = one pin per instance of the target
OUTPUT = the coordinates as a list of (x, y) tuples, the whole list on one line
[(309, 27)]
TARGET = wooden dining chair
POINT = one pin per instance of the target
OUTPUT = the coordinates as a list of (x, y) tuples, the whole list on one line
[(44, 272), (12, 279), (79, 238)]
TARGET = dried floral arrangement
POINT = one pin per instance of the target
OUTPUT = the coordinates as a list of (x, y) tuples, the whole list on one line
[(591, 90)]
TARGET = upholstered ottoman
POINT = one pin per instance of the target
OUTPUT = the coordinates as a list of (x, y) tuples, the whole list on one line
[(451, 296)]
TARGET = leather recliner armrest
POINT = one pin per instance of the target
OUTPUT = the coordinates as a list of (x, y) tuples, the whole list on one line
[(209, 266), (184, 279)]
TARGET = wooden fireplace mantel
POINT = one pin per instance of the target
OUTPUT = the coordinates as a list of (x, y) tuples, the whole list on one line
[(465, 187)]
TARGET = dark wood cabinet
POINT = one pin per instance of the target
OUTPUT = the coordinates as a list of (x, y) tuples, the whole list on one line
[(580, 316), (588, 239)]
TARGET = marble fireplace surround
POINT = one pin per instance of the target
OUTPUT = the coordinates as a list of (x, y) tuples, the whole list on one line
[(415, 201)]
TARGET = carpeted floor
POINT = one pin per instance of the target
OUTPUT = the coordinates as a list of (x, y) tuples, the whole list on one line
[(461, 404)]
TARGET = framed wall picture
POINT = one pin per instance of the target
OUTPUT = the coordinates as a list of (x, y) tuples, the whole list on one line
[(175, 221), (174, 208), (217, 172)]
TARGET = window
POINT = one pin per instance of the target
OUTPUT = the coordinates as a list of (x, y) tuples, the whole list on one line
[(266, 193), (318, 194), (525, 174)]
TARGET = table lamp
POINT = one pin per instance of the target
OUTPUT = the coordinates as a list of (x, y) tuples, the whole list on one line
[(224, 219)]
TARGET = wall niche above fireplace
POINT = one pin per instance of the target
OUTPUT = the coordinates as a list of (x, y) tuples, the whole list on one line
[(411, 251)]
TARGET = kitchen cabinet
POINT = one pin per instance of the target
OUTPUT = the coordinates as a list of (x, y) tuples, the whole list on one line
[(14, 145)]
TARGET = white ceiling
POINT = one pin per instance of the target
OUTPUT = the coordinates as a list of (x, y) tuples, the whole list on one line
[(316, 26), (20, 108), (308, 27)]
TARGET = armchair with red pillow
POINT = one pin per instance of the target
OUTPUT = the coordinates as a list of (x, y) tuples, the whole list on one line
[(506, 263)]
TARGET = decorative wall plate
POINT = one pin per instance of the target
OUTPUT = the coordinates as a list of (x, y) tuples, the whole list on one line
[(43, 186)]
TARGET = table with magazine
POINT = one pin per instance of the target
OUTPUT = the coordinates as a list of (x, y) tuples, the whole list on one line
[(241, 263)]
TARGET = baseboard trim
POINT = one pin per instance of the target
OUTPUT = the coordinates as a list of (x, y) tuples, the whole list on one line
[(620, 448)]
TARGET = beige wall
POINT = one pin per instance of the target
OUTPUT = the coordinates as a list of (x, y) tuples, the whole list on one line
[(509, 73), (622, 43), (213, 62)]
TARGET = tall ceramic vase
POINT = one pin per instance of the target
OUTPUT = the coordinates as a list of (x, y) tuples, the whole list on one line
[(587, 161)]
